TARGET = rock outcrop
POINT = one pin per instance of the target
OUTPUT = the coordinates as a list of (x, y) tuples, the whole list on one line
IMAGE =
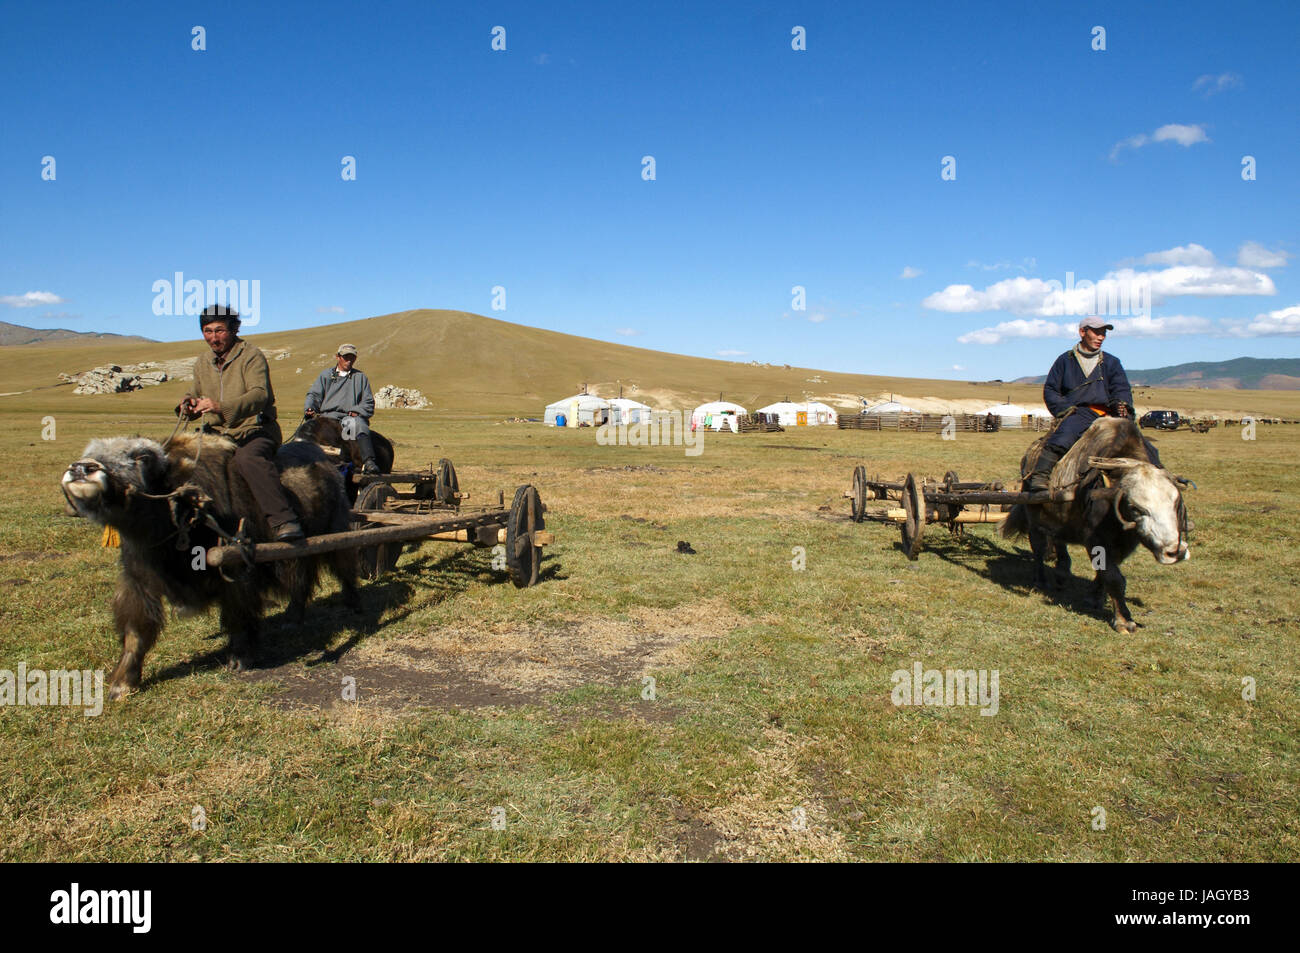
[(115, 379), (406, 398)]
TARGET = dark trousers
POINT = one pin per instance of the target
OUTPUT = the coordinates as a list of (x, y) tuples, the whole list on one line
[(255, 461), (1070, 429)]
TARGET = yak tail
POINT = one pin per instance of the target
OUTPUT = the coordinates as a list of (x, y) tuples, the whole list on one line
[(1016, 523)]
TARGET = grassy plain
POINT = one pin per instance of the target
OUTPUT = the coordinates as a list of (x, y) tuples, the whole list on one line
[(770, 735)]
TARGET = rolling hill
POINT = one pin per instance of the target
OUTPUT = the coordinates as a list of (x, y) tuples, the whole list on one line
[(1240, 373), (468, 364), (15, 335)]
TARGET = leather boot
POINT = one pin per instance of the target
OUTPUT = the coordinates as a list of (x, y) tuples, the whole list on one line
[(1043, 468), (367, 450)]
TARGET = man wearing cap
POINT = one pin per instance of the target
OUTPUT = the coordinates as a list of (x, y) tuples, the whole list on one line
[(232, 393), (343, 392), (1083, 385)]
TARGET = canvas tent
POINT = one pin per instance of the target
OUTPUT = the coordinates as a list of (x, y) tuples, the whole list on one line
[(578, 409), (625, 410), (717, 414), (809, 414), (891, 407), (1012, 414)]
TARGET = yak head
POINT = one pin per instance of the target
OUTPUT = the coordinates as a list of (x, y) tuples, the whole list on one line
[(1149, 501), (99, 483)]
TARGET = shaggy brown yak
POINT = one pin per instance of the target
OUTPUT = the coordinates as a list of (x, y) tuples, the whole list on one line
[(152, 497), (1118, 504)]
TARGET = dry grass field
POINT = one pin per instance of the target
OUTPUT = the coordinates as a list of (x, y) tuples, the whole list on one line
[(770, 734)]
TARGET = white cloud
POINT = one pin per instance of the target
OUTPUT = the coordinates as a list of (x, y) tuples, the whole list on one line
[(1034, 296), (1212, 84), (1174, 325), (730, 353), (1285, 321), (1202, 281), (627, 332), (816, 317), (1142, 326), (30, 299), (958, 367), (1019, 328), (1184, 135), (1189, 254), (910, 272), (330, 309), (1255, 255)]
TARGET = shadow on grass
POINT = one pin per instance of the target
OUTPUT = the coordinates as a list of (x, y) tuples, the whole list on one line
[(1013, 570), (387, 598)]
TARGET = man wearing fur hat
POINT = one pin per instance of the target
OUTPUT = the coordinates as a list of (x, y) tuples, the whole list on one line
[(343, 392), (1084, 384), (233, 396)]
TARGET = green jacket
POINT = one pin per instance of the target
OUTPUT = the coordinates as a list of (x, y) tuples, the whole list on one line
[(242, 386)]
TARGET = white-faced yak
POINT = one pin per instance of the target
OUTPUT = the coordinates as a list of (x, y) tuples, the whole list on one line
[(1118, 504), (160, 502)]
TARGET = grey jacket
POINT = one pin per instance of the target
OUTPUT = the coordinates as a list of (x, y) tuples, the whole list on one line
[(339, 397)]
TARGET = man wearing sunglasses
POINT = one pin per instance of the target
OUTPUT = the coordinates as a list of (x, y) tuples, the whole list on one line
[(1084, 384), (343, 392)]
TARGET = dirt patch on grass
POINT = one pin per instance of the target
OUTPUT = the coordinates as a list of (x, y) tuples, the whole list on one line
[(507, 665)]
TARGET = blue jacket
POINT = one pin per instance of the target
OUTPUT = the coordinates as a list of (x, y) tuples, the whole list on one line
[(1066, 386)]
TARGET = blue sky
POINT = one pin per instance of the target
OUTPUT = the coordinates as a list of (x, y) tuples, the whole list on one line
[(774, 168)]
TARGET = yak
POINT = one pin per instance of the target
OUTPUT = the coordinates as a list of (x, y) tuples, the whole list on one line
[(328, 432), (1119, 503), (167, 501)]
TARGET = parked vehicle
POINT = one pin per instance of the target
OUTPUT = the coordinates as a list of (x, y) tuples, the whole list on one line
[(1159, 420)]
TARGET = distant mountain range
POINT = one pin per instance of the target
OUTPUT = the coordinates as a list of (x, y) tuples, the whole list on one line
[(12, 335), (1240, 373)]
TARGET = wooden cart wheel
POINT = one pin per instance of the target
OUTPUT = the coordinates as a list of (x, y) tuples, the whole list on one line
[(859, 499), (951, 477), (523, 558), (446, 486), (374, 561), (913, 527)]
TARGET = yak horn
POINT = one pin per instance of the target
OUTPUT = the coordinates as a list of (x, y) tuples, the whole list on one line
[(1122, 522), (1183, 481), (1114, 463)]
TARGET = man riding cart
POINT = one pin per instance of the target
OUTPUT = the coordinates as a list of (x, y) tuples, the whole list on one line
[(1083, 385), (343, 393)]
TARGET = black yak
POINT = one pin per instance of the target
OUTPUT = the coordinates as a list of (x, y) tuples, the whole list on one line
[(1119, 503), (328, 432), (155, 498)]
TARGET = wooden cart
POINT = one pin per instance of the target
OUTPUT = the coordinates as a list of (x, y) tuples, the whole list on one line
[(948, 501), (433, 508)]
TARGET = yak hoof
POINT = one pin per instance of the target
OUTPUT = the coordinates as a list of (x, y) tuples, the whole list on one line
[(119, 690), (1124, 627), (239, 663)]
